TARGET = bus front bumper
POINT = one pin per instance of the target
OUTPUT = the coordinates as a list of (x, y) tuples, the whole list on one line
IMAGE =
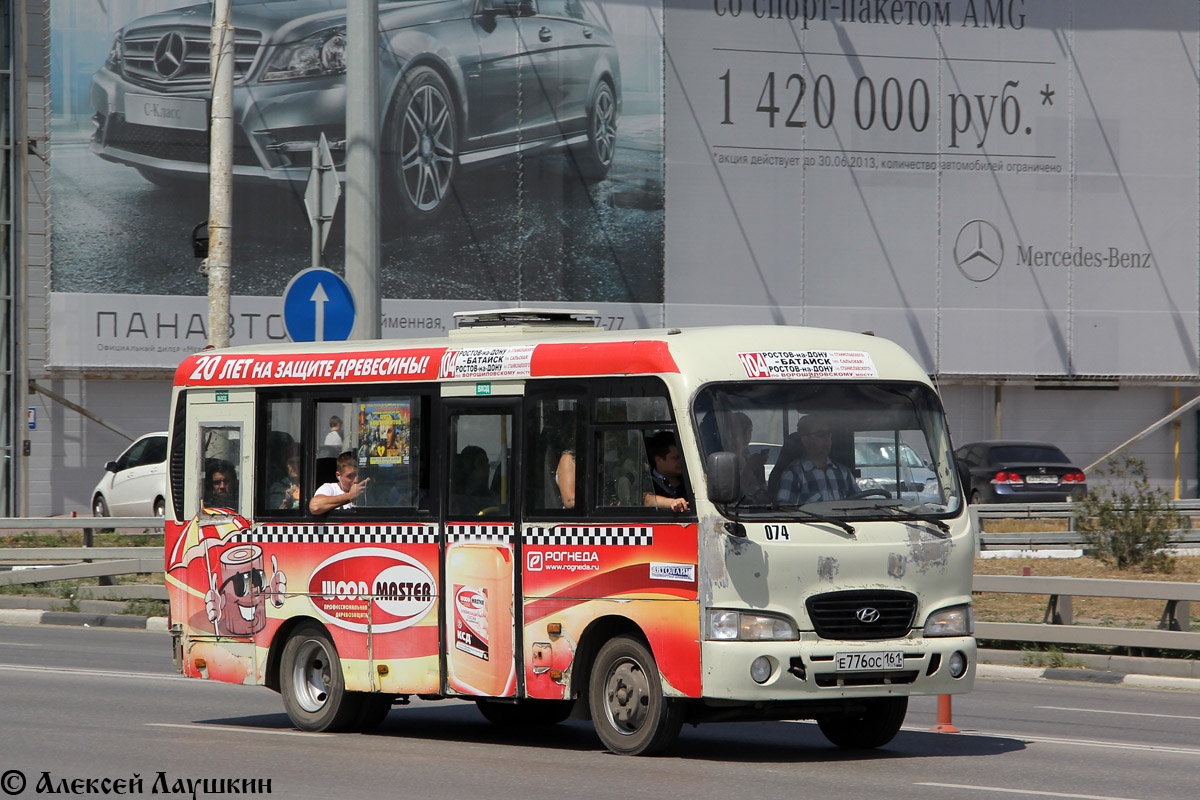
[(809, 669)]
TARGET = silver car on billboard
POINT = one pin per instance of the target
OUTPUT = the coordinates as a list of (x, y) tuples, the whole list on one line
[(462, 83)]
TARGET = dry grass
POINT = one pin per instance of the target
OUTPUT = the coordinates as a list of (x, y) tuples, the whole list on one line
[(1114, 611), (1022, 525)]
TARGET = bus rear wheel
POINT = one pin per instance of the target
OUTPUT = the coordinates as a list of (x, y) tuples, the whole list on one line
[(630, 712), (311, 682), (877, 725)]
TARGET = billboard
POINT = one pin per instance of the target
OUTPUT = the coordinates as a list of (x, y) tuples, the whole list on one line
[(1001, 186)]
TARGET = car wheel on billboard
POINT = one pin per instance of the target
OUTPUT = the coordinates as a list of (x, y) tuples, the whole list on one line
[(596, 159), (423, 144)]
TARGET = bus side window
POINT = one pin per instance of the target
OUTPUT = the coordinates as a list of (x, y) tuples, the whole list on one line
[(624, 472), (554, 455), (222, 452), (481, 464), (279, 462)]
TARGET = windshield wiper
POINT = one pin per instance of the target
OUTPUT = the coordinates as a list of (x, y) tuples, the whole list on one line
[(901, 512), (846, 526)]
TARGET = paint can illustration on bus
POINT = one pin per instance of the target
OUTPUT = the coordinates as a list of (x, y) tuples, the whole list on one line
[(480, 578)]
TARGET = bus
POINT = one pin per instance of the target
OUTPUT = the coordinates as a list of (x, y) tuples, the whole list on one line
[(552, 520)]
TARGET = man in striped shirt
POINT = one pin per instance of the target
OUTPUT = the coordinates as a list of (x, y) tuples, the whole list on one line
[(814, 476)]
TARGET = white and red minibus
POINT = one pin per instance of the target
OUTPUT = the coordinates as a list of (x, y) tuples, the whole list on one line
[(646, 527)]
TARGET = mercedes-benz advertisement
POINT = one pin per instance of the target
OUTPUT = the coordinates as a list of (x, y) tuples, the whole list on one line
[(462, 83)]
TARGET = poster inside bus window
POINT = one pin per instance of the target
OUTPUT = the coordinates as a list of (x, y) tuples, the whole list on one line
[(384, 433)]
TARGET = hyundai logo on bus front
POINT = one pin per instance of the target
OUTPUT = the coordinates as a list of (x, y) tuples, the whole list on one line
[(867, 615)]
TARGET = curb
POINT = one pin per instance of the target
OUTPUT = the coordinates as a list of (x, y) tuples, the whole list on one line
[(21, 616), (1087, 676)]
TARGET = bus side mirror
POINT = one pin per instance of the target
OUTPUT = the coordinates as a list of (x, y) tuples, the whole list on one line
[(722, 468)]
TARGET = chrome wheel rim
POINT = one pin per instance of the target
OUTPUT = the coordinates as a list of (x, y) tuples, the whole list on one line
[(627, 692), (427, 148), (312, 676), (604, 124)]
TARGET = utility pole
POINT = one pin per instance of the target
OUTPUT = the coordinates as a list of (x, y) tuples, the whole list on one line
[(362, 165), (220, 176)]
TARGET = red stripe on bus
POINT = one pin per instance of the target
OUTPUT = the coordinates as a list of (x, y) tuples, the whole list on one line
[(603, 358)]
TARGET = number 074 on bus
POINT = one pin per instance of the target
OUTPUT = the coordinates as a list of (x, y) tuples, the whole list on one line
[(643, 528)]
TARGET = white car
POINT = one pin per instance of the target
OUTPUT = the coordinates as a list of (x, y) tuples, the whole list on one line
[(135, 485)]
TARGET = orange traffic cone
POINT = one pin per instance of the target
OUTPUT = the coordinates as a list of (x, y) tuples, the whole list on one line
[(944, 725)]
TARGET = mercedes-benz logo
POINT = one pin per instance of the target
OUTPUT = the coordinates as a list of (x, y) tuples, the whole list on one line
[(867, 615), (978, 250), (169, 55)]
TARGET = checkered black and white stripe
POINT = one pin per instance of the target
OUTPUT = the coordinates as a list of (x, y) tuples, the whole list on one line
[(589, 536), (479, 534), (340, 534)]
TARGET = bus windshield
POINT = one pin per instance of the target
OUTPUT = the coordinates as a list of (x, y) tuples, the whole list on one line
[(844, 450)]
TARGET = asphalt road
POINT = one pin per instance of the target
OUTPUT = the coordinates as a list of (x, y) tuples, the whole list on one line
[(554, 238), (95, 703)]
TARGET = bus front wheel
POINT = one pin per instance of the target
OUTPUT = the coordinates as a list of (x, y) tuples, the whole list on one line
[(311, 682), (877, 725), (630, 712)]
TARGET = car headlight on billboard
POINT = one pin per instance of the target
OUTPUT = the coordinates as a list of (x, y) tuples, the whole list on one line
[(321, 54)]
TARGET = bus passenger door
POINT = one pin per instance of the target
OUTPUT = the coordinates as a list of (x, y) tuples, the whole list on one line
[(220, 575), (479, 538)]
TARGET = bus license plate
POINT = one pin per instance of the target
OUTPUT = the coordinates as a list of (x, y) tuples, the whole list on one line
[(870, 661)]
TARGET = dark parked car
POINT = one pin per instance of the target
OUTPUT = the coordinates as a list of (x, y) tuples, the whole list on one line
[(1019, 472), (462, 82)]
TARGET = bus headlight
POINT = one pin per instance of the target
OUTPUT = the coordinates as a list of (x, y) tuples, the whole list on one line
[(750, 627), (953, 621)]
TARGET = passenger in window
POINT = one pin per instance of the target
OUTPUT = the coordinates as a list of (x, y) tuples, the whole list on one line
[(564, 478), (285, 493), (469, 486), (666, 473), (220, 485), (564, 471), (814, 476), (342, 492), (751, 466), (333, 439)]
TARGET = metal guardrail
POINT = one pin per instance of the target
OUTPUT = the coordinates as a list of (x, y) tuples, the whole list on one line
[(1057, 626), (43, 564), (1069, 539)]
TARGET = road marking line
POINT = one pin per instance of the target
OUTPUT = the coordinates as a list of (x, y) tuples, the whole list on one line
[(1128, 713), (102, 673), (1031, 792), (1158, 748), (226, 728), (19, 644)]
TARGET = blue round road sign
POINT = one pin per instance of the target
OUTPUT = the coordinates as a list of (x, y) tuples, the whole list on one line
[(318, 307)]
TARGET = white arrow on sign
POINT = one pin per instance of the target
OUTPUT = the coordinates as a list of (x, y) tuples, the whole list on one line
[(320, 299)]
